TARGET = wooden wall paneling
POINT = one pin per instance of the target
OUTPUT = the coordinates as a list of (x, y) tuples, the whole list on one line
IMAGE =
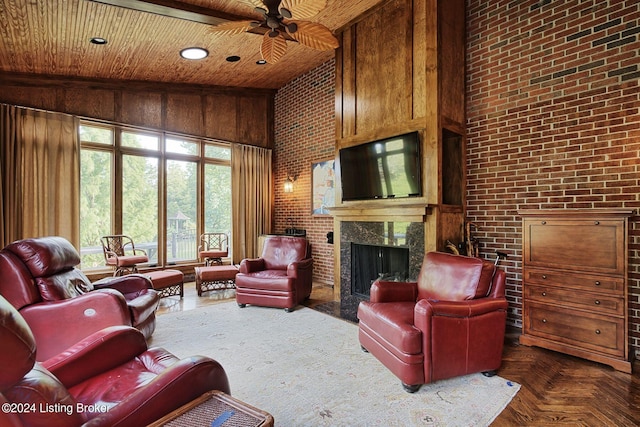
[(236, 115), (451, 25), (419, 56), (141, 109), (28, 96), (383, 67), (347, 85), (432, 143), (184, 113), (220, 117), (255, 123), (89, 102)]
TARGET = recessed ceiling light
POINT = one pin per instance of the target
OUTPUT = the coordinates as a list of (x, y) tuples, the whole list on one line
[(194, 53), (261, 61), (233, 58), (98, 40)]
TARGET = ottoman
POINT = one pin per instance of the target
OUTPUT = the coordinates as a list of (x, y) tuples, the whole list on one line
[(215, 277), (167, 282)]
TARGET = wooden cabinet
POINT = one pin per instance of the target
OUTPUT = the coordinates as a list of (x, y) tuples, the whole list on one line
[(575, 283)]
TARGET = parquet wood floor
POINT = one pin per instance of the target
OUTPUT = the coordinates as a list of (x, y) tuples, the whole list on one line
[(557, 390)]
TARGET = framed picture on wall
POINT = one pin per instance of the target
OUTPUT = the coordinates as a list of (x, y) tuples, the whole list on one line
[(323, 195)]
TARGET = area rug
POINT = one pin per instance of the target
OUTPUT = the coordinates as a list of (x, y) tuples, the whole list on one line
[(307, 369)]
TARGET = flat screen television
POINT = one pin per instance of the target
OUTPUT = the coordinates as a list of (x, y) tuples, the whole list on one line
[(388, 168)]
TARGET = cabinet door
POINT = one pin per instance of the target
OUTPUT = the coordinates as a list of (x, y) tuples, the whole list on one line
[(588, 245)]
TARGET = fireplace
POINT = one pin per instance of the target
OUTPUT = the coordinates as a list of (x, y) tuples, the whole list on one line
[(370, 262), (395, 236)]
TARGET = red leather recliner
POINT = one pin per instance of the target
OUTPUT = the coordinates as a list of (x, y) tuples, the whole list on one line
[(282, 277), (38, 277), (109, 379), (449, 323)]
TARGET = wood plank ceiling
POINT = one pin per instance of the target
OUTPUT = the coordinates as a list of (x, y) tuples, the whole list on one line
[(51, 38)]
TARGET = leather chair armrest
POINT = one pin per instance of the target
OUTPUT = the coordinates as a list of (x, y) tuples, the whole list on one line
[(468, 308), (250, 265), (182, 382), (383, 291), (299, 266), (128, 284), (97, 353), (143, 305), (78, 317)]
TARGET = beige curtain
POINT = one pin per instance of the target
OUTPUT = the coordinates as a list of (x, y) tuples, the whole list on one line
[(41, 164), (252, 193), (11, 182)]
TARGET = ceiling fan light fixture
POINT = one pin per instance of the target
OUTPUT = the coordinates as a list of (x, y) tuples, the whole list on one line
[(194, 53)]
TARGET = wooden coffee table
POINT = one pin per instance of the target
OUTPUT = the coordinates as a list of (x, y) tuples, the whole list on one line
[(216, 406)]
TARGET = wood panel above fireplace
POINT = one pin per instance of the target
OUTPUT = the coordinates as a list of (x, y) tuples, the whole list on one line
[(410, 79)]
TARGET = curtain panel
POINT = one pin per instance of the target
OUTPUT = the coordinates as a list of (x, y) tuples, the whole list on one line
[(251, 198), (40, 172)]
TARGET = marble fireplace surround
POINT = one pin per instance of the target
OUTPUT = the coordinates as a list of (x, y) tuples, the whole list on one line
[(403, 229)]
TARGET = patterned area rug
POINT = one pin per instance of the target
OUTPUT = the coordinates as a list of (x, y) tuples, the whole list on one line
[(307, 369)]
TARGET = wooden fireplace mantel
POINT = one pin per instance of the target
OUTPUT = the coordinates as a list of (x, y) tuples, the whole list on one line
[(413, 212)]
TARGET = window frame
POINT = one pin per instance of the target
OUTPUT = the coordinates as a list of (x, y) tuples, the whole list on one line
[(119, 150)]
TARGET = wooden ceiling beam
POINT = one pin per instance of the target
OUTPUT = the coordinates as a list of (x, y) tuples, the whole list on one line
[(176, 9)]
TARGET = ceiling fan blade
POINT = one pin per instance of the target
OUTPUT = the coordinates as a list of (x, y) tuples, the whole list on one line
[(302, 9), (234, 27), (174, 9), (257, 3), (273, 48), (315, 36)]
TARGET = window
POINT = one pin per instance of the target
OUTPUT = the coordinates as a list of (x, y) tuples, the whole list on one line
[(161, 190), (96, 189), (181, 210)]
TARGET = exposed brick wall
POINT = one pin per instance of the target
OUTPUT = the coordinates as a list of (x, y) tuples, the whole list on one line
[(305, 129), (553, 120)]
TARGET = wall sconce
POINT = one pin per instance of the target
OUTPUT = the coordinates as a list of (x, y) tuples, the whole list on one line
[(288, 184)]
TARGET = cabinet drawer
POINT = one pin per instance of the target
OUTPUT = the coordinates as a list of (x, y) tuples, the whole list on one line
[(594, 283), (586, 330), (597, 303)]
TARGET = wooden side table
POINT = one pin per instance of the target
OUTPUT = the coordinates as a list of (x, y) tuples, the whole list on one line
[(204, 410)]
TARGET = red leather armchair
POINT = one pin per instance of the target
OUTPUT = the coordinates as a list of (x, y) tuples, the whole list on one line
[(38, 277), (449, 323), (281, 277), (109, 379)]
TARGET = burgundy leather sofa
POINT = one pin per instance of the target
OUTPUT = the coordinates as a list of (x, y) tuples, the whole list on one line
[(108, 379), (282, 277), (38, 277), (449, 323)]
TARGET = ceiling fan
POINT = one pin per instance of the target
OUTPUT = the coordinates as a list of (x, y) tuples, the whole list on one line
[(281, 20)]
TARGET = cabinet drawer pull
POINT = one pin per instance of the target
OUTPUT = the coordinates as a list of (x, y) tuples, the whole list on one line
[(597, 283), (544, 320), (596, 222), (544, 276), (597, 302), (544, 294), (597, 331), (544, 222)]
